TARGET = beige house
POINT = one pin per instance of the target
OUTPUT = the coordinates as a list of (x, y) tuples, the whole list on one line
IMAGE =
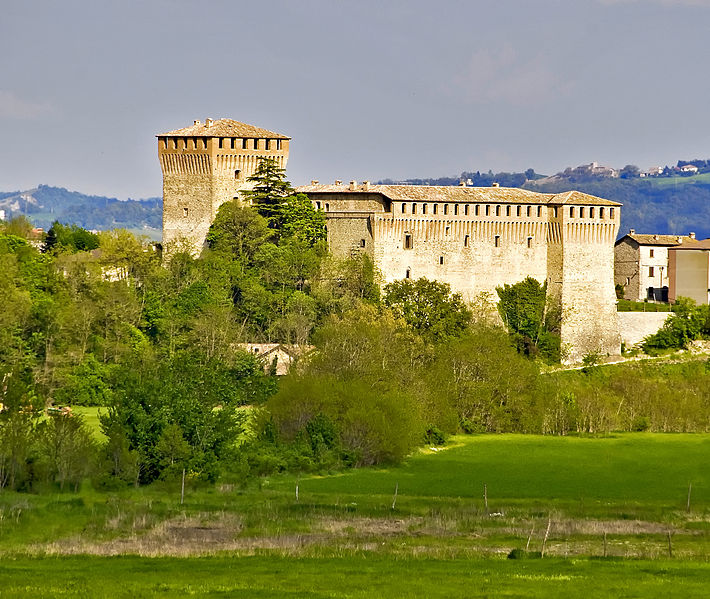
[(689, 268), (278, 356), (641, 264)]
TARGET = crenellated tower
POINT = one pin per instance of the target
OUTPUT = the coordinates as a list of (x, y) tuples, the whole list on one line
[(206, 165)]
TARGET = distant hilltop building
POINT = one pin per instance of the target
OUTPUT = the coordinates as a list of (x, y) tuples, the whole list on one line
[(475, 239), (205, 165)]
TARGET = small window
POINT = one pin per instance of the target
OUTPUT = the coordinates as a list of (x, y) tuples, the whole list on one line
[(408, 274), (220, 143), (185, 212), (601, 212), (466, 241), (404, 208), (256, 144), (488, 210), (528, 211), (441, 259), (539, 211), (650, 271), (414, 208), (529, 242), (497, 210), (555, 211), (434, 210), (496, 241), (581, 212), (317, 205), (591, 213), (408, 241), (475, 209), (448, 230), (327, 206), (237, 173), (446, 208), (507, 210), (571, 212), (650, 253), (244, 144), (611, 213), (362, 243), (423, 208), (465, 210), (234, 142), (456, 209), (278, 144), (267, 144)]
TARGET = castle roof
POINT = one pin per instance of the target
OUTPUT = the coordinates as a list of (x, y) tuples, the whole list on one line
[(451, 193), (660, 240), (223, 128)]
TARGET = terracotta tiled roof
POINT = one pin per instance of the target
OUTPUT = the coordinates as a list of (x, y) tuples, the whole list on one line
[(223, 128), (667, 240), (442, 193), (696, 245)]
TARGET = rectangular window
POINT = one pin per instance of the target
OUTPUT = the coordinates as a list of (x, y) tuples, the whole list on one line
[(404, 208), (408, 241), (256, 144), (475, 210), (446, 208), (185, 212), (611, 213), (362, 243), (488, 210), (221, 141), (650, 253), (496, 241), (423, 208), (581, 212), (517, 211), (591, 213), (278, 144), (466, 241), (571, 211), (497, 210), (528, 211), (435, 207), (529, 242), (465, 210), (650, 271), (244, 144), (441, 259), (555, 211), (507, 210), (267, 144), (601, 212), (539, 211), (414, 208), (456, 209), (233, 142)]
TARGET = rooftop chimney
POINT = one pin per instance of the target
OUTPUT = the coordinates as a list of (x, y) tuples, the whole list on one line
[(208, 122), (353, 185), (496, 184), (691, 234), (338, 182), (632, 231), (679, 239), (314, 181), (655, 237), (196, 123), (366, 186)]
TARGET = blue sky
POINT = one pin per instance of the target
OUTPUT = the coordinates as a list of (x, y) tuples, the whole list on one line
[(366, 89)]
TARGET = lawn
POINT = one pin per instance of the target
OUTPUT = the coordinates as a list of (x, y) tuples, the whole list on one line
[(350, 535)]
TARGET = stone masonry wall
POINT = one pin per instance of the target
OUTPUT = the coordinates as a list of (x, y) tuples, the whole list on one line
[(634, 327)]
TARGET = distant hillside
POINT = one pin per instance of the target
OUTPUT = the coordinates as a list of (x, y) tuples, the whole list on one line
[(46, 204)]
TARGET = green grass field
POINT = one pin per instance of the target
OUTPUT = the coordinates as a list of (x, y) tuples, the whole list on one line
[(671, 181), (602, 508)]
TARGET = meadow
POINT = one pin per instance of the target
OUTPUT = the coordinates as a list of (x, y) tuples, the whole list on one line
[(610, 514)]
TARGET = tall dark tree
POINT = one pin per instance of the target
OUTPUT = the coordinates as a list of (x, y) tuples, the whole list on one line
[(270, 189)]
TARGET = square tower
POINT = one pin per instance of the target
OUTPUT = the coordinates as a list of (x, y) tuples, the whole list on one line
[(205, 165)]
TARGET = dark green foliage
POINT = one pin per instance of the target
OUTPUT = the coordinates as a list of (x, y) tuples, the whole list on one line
[(687, 323), (531, 319), (269, 191), (69, 238), (428, 307)]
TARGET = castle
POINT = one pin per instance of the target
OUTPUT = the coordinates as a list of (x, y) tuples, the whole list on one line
[(475, 239)]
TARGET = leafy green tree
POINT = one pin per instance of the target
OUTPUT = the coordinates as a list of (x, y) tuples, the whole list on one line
[(67, 449), (296, 217), (428, 307), (71, 238), (270, 189)]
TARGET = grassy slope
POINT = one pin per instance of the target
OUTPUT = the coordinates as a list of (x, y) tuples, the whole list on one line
[(627, 467), (342, 539)]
